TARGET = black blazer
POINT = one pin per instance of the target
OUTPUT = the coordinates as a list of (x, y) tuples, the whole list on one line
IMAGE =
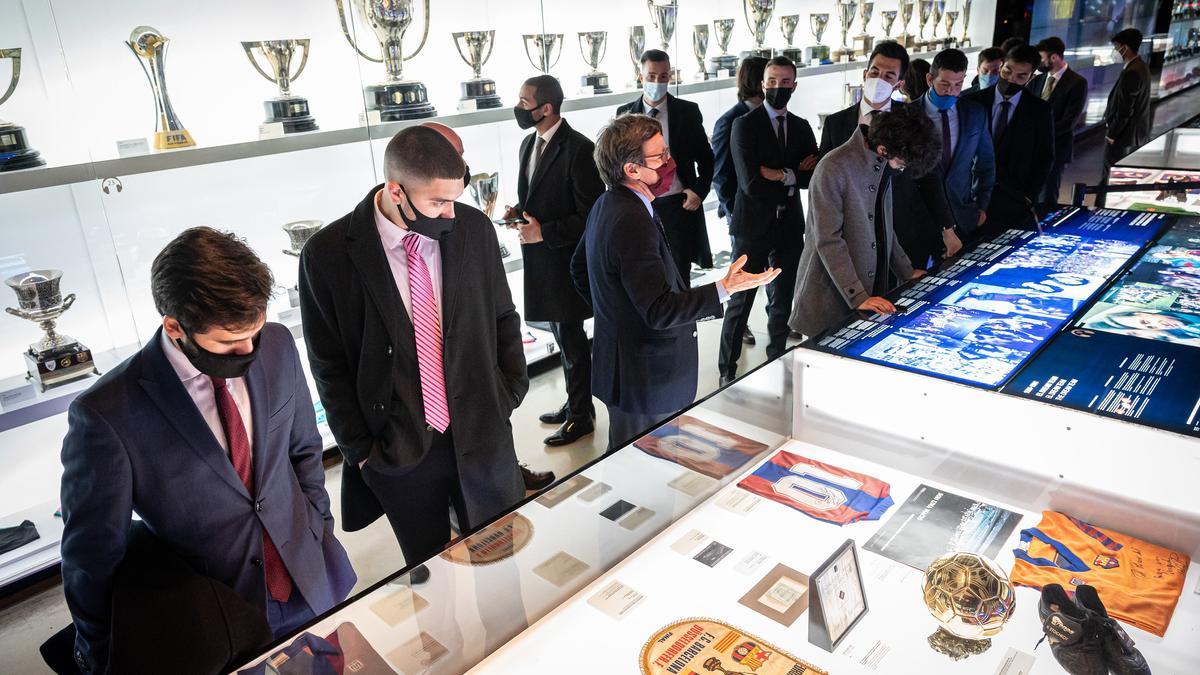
[(564, 187), (363, 354), (644, 355), (1128, 113), (754, 145), (724, 175), (1025, 155), (839, 127), (1066, 104)]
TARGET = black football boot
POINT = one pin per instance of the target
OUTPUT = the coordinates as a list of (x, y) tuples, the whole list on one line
[(1123, 658), (1075, 634)]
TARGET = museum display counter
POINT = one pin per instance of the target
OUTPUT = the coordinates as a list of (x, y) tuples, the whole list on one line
[(1170, 158)]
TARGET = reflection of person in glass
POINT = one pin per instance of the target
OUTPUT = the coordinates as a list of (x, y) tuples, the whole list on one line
[(1015, 301), (1152, 324)]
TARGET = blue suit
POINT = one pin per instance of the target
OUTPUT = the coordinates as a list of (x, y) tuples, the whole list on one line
[(972, 171), (725, 180), (137, 443)]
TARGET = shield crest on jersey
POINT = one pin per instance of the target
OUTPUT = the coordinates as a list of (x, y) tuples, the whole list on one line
[(1105, 562)]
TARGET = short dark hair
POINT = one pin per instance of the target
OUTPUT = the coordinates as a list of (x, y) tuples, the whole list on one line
[(1011, 42), (207, 279), (781, 62), (620, 142), (546, 89), (952, 60), (1052, 45), (914, 79), (750, 77), (990, 54), (1024, 54), (892, 50), (1130, 37), (421, 154), (656, 56), (908, 134)]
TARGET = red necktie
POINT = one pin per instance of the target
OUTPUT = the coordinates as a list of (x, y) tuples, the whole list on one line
[(279, 583), (427, 326)]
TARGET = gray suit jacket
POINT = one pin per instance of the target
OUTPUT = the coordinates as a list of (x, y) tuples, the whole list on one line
[(838, 266)]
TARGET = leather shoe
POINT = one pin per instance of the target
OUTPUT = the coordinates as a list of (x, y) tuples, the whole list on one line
[(418, 575), (748, 338), (536, 480), (727, 380), (569, 432), (557, 417)]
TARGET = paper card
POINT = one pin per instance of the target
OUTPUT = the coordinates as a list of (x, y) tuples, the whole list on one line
[(418, 654), (594, 492), (751, 563), (693, 484), (133, 147), (18, 394), (738, 502), (712, 554), (587, 91), (270, 130), (399, 606), (781, 595), (615, 599), (620, 508), (560, 493), (560, 568), (467, 105), (1015, 663), (369, 118), (688, 542), (869, 654), (637, 518)]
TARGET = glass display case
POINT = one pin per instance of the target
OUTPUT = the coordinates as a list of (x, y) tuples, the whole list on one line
[(1171, 157), (263, 117), (713, 537)]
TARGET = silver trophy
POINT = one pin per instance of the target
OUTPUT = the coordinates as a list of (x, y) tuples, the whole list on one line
[(863, 42), (663, 18), (475, 47), (939, 7), (150, 47), (723, 63), (56, 358), (485, 190), (14, 146), (889, 19), (758, 18), (846, 11), (594, 45), (924, 9), (287, 109), (637, 45), (950, 18), (906, 39), (299, 232), (543, 49), (700, 48), (819, 53), (787, 26), (396, 98), (966, 16)]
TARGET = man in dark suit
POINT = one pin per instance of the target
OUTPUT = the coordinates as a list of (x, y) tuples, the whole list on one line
[(689, 173), (645, 346), (556, 188), (415, 347), (774, 153), (208, 434), (1066, 92), (884, 72), (1022, 129), (1128, 113)]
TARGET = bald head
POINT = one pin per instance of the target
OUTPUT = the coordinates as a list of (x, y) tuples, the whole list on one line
[(446, 132)]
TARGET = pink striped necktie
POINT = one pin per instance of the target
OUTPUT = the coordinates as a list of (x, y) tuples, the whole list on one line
[(428, 328)]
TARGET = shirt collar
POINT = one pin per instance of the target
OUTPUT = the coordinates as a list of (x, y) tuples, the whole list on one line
[(865, 109), (550, 132), (661, 106), (775, 114), (1059, 73), (1012, 99), (179, 363), (649, 206), (390, 234)]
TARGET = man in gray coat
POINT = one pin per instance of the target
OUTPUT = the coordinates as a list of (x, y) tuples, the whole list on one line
[(849, 244)]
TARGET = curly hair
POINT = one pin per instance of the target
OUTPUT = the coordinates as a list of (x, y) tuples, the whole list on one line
[(907, 134)]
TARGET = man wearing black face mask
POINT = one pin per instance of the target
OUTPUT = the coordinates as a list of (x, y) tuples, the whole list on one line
[(415, 346), (208, 433)]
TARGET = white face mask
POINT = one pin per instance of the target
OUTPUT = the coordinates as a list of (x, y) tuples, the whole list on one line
[(876, 91), (1116, 56), (654, 91)]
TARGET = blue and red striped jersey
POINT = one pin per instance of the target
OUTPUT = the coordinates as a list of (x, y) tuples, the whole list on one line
[(823, 491)]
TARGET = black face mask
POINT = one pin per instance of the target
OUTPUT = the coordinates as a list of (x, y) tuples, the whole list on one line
[(227, 366), (1008, 89), (525, 118), (778, 97), (434, 228), (1044, 67)]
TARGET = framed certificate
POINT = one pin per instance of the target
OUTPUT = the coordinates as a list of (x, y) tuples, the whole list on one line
[(837, 598)]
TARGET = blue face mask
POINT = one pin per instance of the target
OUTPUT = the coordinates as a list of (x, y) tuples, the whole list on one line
[(941, 102), (987, 80)]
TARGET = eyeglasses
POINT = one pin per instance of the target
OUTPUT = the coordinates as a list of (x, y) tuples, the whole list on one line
[(663, 156)]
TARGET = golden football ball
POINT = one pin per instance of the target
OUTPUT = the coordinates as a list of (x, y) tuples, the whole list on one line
[(969, 595)]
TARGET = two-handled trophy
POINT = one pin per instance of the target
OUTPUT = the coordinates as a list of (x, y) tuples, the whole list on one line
[(906, 39), (888, 18), (485, 190), (846, 12), (787, 26), (299, 232), (818, 52), (700, 48), (950, 42), (758, 19), (287, 108), (593, 44), (56, 358), (966, 16), (723, 64), (663, 18), (637, 45), (543, 49), (150, 48), (396, 98), (15, 152), (475, 47), (863, 42)]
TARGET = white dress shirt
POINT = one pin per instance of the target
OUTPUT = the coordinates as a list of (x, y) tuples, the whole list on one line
[(199, 387), (998, 99), (533, 153), (1056, 76), (865, 110), (789, 176), (663, 119), (392, 237), (936, 115)]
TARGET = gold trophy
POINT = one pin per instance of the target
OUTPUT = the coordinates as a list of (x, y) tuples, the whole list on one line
[(15, 152), (150, 47), (863, 42), (396, 98), (56, 358), (971, 598)]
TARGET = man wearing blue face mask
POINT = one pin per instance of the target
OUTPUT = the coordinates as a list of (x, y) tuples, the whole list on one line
[(987, 69), (687, 177)]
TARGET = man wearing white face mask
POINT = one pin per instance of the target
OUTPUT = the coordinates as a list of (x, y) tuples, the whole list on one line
[(1128, 112), (885, 69), (687, 178)]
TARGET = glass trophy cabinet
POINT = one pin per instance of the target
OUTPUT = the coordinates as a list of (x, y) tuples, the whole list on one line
[(1171, 157)]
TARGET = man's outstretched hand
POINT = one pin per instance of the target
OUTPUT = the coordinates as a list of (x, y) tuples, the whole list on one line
[(737, 280)]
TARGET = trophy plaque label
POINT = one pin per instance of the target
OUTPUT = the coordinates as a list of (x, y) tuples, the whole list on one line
[(270, 130), (706, 645), (133, 147), (17, 395), (467, 105)]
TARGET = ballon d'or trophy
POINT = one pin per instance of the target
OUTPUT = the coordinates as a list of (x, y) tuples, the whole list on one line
[(543, 49), (846, 11), (966, 15), (150, 47), (663, 18), (950, 42), (906, 39), (593, 45), (637, 45), (485, 190), (971, 598), (889, 19), (863, 42), (787, 26), (15, 152), (721, 64), (819, 52), (287, 108), (475, 47), (299, 232), (758, 19), (700, 48), (56, 358), (396, 98)]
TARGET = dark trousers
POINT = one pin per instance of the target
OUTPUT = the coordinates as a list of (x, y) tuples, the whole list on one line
[(417, 503), (1112, 155), (681, 228), (576, 356), (1053, 183), (624, 427), (760, 253), (285, 617)]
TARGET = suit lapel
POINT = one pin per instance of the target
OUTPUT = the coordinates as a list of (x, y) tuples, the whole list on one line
[(366, 253), (962, 125), (523, 174), (260, 412), (454, 249)]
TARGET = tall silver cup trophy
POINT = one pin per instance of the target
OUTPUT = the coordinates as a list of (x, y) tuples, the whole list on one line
[(846, 11), (299, 232), (150, 48), (637, 45), (700, 48), (475, 47), (758, 18), (395, 98), (56, 358), (593, 45), (543, 49), (888, 18), (485, 190), (663, 17), (863, 42), (787, 26), (906, 39), (15, 152), (723, 64), (286, 108), (966, 17), (817, 52)]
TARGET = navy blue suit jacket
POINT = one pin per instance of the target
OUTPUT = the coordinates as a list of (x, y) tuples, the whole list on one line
[(725, 180), (644, 355), (972, 171), (137, 443)]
